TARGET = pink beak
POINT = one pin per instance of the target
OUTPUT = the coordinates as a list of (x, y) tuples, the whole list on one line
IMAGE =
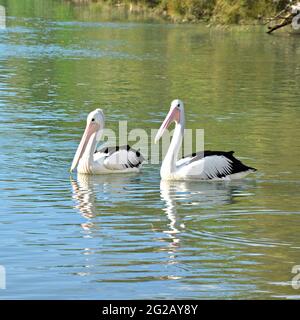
[(89, 130), (173, 115)]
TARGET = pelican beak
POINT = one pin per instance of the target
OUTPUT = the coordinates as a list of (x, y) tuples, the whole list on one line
[(173, 115), (90, 129)]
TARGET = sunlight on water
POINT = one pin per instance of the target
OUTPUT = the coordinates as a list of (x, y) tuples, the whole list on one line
[(133, 236)]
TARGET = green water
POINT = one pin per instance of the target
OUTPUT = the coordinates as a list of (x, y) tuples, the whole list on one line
[(133, 236)]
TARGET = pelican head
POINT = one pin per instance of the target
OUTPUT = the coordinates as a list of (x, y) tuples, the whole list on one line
[(176, 113), (94, 125)]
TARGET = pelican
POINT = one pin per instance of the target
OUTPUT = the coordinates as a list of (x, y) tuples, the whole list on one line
[(207, 165), (119, 159)]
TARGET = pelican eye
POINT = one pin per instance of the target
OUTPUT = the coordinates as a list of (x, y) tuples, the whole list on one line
[(178, 105), (93, 119)]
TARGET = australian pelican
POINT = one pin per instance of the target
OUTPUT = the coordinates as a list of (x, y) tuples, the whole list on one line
[(206, 165), (87, 159)]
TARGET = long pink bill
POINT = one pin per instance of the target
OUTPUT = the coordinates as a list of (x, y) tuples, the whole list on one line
[(171, 116), (89, 130)]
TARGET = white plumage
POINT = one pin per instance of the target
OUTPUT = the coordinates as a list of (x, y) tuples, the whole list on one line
[(207, 168), (109, 159), (206, 165)]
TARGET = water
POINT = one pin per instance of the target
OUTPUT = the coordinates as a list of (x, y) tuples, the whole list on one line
[(132, 236)]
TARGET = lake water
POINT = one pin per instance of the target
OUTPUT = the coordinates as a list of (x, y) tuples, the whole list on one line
[(133, 236)]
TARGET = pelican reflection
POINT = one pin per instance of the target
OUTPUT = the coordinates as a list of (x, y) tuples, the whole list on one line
[(193, 195), (94, 193)]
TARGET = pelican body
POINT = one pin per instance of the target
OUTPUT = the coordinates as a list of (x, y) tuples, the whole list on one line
[(206, 165), (119, 159)]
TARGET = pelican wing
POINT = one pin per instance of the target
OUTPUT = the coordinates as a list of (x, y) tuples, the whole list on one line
[(121, 158), (209, 165)]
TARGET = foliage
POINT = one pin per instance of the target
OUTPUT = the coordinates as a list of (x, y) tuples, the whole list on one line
[(221, 11)]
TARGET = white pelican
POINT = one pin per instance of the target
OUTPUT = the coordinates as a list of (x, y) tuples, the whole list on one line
[(119, 159), (207, 165)]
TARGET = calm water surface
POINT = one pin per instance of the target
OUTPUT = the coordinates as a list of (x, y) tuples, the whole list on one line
[(134, 236)]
